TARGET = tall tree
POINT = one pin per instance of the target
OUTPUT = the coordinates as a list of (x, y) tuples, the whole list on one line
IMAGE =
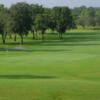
[(42, 23), (2, 29), (97, 18), (35, 10), (20, 19), (3, 21), (63, 19)]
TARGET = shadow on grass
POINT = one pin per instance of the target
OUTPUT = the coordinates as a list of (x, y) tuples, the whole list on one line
[(8, 49), (67, 37), (83, 33), (25, 77), (75, 44), (51, 40)]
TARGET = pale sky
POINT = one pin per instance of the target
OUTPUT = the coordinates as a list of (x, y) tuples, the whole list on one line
[(52, 3)]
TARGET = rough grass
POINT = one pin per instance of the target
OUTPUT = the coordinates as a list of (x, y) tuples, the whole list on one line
[(52, 69)]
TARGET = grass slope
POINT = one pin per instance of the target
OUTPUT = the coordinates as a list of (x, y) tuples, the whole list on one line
[(52, 69)]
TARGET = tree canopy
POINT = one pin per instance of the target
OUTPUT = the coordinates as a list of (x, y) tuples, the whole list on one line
[(20, 19), (63, 19)]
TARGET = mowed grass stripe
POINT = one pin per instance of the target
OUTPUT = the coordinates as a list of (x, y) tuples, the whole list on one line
[(52, 69)]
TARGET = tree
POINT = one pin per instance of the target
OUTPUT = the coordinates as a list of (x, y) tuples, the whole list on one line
[(35, 10), (3, 21), (82, 21), (20, 19), (63, 19), (97, 18), (89, 12), (2, 30), (42, 23), (78, 10), (1, 7), (87, 17)]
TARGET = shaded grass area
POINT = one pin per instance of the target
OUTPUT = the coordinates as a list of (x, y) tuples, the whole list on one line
[(12, 50), (70, 36), (52, 69), (25, 77)]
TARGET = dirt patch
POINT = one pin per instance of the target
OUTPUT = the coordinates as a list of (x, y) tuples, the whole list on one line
[(19, 48), (15, 48)]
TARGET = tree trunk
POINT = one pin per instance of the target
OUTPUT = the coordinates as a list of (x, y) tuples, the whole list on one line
[(21, 39), (42, 35), (60, 36), (36, 34), (3, 39), (15, 38), (33, 34), (10, 36)]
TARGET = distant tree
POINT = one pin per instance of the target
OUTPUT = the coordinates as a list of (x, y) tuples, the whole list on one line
[(47, 11), (78, 10), (1, 7), (97, 9), (86, 21), (87, 17), (97, 18), (20, 19), (89, 12), (90, 21), (82, 21), (42, 23), (63, 19)]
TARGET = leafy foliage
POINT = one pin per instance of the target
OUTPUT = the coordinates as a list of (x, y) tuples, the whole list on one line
[(63, 19), (42, 23), (20, 19)]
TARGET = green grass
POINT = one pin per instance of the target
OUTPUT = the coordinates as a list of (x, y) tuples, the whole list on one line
[(52, 69)]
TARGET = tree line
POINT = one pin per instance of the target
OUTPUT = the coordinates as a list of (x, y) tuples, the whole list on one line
[(86, 16), (21, 18)]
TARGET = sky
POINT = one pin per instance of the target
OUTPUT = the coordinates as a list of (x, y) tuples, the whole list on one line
[(52, 3)]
